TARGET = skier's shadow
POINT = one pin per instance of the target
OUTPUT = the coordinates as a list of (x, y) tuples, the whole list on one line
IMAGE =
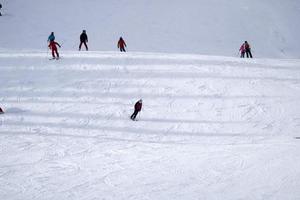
[(6, 15), (14, 110), (156, 120)]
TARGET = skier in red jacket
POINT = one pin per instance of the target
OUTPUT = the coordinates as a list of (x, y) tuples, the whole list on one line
[(121, 44), (137, 109), (53, 47)]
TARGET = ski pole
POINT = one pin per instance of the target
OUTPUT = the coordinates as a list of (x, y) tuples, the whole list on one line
[(47, 50)]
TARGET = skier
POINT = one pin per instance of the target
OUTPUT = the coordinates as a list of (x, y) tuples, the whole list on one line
[(53, 47), (1, 111), (51, 37), (248, 49), (0, 9), (83, 40), (243, 50), (121, 44), (137, 109)]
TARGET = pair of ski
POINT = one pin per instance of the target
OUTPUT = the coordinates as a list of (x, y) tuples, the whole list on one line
[(133, 119), (54, 58)]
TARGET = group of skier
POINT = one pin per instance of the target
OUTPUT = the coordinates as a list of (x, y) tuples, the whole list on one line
[(83, 41), (52, 44), (245, 48)]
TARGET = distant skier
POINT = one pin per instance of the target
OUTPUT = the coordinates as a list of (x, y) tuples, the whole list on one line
[(243, 50), (1, 111), (53, 47), (248, 49), (0, 9), (121, 44), (83, 40), (137, 109), (51, 37)]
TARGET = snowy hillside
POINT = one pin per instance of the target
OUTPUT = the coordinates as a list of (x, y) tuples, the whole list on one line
[(214, 27), (210, 128)]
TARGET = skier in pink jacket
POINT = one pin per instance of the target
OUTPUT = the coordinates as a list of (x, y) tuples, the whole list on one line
[(243, 50)]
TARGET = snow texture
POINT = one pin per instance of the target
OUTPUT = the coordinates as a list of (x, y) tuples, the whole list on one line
[(210, 128)]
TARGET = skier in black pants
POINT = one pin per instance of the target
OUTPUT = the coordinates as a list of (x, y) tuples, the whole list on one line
[(137, 109), (83, 40), (0, 9), (248, 50)]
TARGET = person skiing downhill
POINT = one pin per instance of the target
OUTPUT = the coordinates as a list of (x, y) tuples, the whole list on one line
[(243, 50), (53, 47), (51, 37), (0, 9), (1, 111), (121, 44), (137, 109), (248, 49), (83, 40)]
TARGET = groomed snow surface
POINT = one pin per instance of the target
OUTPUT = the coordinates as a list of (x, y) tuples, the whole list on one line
[(210, 128)]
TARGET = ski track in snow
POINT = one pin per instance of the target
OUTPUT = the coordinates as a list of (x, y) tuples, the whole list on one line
[(211, 127)]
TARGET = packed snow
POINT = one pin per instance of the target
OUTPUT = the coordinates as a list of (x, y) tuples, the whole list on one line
[(210, 128), (213, 126)]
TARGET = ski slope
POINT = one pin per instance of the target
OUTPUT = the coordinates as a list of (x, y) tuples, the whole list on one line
[(211, 127)]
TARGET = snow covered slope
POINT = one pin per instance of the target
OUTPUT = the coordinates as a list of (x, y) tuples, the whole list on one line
[(211, 127), (214, 27)]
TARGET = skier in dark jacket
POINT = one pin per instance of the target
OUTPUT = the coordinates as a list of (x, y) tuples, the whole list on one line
[(51, 37), (137, 109), (248, 49), (121, 44), (1, 111), (0, 9), (53, 47), (83, 40)]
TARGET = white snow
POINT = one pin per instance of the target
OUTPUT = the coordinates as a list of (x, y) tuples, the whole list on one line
[(211, 127)]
